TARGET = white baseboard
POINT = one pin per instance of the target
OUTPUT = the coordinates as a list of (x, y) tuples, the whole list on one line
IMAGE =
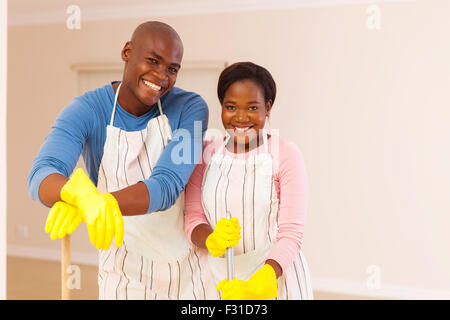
[(90, 259), (345, 287), (386, 291)]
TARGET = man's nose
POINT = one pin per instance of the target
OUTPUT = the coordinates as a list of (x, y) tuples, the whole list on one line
[(160, 72)]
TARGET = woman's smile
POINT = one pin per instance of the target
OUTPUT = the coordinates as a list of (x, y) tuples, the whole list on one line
[(244, 112)]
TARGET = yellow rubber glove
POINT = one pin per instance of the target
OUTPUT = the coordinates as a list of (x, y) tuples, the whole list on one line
[(226, 234), (261, 285), (62, 220), (100, 211)]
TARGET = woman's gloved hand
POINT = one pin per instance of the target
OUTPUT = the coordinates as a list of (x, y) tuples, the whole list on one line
[(100, 211), (261, 285), (62, 220), (227, 233)]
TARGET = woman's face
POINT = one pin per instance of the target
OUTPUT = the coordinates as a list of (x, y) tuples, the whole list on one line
[(244, 112)]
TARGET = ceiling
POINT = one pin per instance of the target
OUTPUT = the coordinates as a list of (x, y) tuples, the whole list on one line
[(21, 6), (22, 12)]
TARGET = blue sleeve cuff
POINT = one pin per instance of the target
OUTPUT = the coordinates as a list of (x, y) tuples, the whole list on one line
[(154, 193)]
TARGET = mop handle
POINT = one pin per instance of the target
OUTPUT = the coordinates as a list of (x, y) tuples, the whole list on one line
[(230, 258), (65, 263)]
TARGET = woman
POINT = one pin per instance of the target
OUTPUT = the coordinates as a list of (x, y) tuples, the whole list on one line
[(260, 180)]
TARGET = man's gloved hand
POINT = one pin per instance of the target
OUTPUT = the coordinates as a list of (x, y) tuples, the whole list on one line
[(261, 285), (62, 220), (100, 211), (226, 234)]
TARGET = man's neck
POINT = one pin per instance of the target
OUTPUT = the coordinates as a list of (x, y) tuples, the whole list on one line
[(129, 102)]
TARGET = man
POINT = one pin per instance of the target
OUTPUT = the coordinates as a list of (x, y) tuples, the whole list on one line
[(127, 142)]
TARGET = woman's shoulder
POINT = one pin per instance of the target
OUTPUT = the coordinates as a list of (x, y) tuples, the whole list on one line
[(283, 145), (286, 154)]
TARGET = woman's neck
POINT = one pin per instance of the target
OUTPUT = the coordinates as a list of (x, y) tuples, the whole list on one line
[(234, 147)]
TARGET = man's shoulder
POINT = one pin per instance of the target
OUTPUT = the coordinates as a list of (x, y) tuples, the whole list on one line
[(97, 99), (101, 93), (91, 104)]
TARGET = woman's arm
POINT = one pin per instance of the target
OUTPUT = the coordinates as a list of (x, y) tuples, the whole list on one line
[(197, 227), (291, 185)]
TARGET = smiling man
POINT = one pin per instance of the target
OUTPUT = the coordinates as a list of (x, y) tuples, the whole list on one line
[(134, 191)]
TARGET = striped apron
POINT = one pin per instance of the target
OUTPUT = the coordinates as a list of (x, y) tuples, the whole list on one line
[(156, 260), (246, 188)]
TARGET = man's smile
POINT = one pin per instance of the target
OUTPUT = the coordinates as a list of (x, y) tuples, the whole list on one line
[(152, 85)]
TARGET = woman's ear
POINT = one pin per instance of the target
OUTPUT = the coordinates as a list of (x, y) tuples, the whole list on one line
[(268, 107), (126, 51)]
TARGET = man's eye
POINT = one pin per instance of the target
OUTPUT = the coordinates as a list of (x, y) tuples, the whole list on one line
[(173, 70), (253, 108), (154, 61)]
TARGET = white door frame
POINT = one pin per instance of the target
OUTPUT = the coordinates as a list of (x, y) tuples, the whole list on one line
[(3, 79)]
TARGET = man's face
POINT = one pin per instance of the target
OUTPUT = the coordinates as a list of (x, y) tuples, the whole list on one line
[(152, 63)]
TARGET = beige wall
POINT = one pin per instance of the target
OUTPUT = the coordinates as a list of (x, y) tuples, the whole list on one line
[(368, 109)]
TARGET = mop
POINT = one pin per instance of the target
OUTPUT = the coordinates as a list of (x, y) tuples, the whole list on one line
[(230, 258), (65, 263)]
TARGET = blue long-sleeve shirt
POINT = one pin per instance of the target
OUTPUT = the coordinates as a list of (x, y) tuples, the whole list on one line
[(81, 129)]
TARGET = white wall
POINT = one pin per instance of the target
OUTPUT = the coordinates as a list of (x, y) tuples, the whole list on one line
[(368, 108)]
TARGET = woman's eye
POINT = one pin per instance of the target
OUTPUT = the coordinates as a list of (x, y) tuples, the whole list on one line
[(253, 108), (154, 61), (230, 108)]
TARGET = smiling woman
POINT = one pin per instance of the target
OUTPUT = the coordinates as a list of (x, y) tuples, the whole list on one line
[(251, 186), (246, 92)]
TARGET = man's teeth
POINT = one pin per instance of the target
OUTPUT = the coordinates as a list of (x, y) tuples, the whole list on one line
[(152, 85)]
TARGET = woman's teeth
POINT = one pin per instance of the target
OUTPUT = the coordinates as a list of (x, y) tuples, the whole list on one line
[(241, 130), (152, 85)]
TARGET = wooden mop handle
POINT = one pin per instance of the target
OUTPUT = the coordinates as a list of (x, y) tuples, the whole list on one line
[(65, 263)]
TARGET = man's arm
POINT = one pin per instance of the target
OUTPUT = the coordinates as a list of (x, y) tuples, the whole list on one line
[(60, 152), (172, 172), (50, 188)]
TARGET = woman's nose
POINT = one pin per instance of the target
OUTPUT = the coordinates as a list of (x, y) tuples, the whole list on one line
[(241, 116)]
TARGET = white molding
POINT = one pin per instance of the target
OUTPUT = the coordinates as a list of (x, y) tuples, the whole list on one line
[(174, 8), (344, 287), (113, 66), (3, 171)]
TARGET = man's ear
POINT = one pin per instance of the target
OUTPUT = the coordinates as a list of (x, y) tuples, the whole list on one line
[(126, 51)]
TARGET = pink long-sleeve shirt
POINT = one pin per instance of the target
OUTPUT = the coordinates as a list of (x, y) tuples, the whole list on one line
[(291, 186)]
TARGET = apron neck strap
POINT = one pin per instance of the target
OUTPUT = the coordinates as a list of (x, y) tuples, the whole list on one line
[(266, 143), (227, 135), (160, 107), (115, 104)]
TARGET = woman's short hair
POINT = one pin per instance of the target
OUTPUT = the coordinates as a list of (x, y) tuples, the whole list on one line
[(247, 71)]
